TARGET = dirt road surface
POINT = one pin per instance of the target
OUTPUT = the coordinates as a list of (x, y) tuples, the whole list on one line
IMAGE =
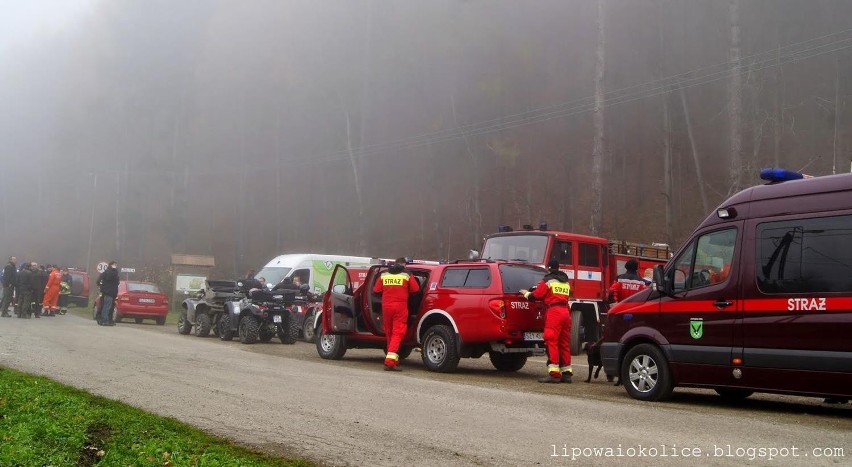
[(286, 400)]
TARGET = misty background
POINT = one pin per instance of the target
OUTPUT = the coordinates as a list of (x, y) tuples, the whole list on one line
[(131, 130)]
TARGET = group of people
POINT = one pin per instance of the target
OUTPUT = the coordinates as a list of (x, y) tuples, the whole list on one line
[(34, 290)]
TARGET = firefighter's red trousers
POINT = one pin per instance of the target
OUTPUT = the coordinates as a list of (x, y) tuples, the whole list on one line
[(557, 336), (395, 317)]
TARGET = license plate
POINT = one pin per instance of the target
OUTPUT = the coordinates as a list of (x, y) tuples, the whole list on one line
[(276, 319), (147, 300), (533, 336)]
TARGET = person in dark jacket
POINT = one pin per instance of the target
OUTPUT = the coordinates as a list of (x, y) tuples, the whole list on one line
[(64, 291), (10, 273), (108, 282), (24, 292), (40, 275)]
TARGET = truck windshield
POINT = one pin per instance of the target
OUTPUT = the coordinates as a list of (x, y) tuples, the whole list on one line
[(273, 275), (529, 248), (517, 277)]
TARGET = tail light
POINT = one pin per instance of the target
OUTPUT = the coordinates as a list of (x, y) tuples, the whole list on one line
[(497, 307), (123, 298)]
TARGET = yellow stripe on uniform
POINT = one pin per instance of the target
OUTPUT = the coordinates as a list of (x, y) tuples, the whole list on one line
[(392, 356), (394, 279), (559, 288)]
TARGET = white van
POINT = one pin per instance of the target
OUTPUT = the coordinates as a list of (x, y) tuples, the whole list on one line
[(311, 269)]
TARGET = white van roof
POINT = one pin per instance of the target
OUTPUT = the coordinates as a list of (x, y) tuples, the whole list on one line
[(295, 259)]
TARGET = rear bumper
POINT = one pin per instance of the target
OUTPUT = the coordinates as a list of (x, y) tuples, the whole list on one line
[(530, 347), (125, 310), (610, 352)]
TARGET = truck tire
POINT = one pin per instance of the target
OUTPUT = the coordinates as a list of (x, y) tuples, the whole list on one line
[(202, 325), (224, 326), (508, 362), (249, 329), (440, 349), (308, 331), (645, 373), (288, 330), (330, 346), (576, 332), (184, 326)]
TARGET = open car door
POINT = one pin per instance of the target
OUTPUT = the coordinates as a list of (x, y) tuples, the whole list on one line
[(339, 303)]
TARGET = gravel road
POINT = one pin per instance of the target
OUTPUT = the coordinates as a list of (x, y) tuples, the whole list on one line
[(286, 400)]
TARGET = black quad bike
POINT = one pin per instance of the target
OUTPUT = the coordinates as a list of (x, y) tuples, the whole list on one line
[(264, 314)]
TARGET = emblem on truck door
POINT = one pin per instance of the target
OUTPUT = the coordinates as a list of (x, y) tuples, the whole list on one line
[(696, 328)]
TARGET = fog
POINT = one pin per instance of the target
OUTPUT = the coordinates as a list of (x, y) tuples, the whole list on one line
[(132, 130)]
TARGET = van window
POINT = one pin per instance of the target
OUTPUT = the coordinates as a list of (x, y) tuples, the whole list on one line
[(805, 255), (589, 255), (466, 277), (706, 261)]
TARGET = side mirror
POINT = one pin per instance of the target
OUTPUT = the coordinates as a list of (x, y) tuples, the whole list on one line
[(339, 288), (473, 254), (660, 283)]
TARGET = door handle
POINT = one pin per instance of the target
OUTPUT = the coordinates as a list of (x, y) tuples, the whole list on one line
[(723, 303)]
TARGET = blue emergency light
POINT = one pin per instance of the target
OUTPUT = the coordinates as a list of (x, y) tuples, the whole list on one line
[(776, 175)]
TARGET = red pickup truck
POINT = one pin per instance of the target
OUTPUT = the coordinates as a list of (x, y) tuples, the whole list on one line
[(463, 309)]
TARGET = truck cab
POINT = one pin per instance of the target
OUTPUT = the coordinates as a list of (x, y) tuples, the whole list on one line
[(463, 309), (591, 263)]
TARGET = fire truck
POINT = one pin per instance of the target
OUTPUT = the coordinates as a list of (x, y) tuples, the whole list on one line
[(591, 263)]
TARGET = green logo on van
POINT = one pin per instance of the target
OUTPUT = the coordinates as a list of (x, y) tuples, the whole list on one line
[(696, 328)]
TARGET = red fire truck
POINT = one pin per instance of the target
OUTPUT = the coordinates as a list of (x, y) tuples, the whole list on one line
[(591, 263)]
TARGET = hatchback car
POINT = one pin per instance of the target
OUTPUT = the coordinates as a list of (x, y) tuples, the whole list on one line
[(139, 300)]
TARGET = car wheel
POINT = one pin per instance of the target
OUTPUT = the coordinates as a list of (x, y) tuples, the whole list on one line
[(330, 346), (508, 362), (224, 326), (576, 332), (440, 349), (161, 321), (184, 326), (249, 329), (138, 320), (733, 394), (308, 331), (288, 330), (645, 373), (202, 325)]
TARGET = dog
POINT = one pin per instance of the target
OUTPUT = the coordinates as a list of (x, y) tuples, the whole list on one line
[(593, 353)]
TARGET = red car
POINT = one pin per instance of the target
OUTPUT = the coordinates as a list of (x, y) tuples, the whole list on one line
[(139, 300)]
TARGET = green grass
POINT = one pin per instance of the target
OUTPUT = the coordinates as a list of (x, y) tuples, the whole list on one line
[(46, 423)]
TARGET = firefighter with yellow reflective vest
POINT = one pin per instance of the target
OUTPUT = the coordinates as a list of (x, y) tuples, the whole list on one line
[(554, 291), (395, 285)]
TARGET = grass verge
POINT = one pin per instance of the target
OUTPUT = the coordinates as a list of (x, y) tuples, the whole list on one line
[(43, 422)]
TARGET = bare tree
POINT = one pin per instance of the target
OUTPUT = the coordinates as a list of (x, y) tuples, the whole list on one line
[(736, 99), (598, 150)]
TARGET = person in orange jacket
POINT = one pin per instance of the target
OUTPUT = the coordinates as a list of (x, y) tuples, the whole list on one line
[(51, 292), (395, 285), (555, 291)]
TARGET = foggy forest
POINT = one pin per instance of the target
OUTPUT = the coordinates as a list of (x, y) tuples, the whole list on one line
[(248, 129)]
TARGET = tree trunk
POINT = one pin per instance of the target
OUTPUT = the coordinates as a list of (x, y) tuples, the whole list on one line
[(476, 222), (598, 150), (736, 98), (667, 167), (699, 176), (362, 231)]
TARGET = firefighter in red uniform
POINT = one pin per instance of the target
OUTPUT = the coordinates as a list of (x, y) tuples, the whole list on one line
[(628, 283), (554, 290), (395, 285)]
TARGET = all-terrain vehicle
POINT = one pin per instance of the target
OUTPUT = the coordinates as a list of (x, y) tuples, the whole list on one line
[(263, 314), (204, 312)]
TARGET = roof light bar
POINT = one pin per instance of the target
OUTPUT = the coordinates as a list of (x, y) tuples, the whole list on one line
[(776, 175)]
